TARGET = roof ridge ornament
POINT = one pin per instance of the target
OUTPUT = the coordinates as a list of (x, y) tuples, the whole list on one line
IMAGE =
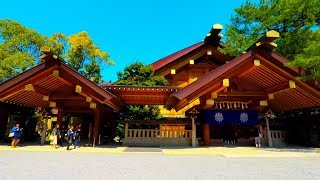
[(214, 36), (49, 56), (266, 41)]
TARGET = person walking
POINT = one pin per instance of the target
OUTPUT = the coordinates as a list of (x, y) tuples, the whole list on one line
[(257, 137), (70, 136), (77, 134), (62, 132), (55, 134), (15, 131)]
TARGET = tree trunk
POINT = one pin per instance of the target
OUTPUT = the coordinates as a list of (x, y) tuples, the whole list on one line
[(43, 136)]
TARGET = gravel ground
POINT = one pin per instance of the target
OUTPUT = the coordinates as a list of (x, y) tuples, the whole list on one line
[(72, 165)]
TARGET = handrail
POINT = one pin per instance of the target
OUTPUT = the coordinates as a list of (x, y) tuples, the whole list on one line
[(152, 133)]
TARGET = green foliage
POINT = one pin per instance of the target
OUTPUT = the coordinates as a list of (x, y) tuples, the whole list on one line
[(58, 44), (139, 74), (86, 57), (296, 20), (142, 112), (20, 50), (38, 115), (309, 59)]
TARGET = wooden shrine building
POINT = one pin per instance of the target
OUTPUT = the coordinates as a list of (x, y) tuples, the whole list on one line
[(201, 78)]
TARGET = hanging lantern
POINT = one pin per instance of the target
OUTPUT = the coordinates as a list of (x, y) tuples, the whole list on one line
[(220, 105), (216, 105), (242, 106), (246, 106), (235, 105)]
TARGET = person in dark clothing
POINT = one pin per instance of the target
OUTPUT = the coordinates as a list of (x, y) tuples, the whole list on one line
[(70, 136), (77, 136), (62, 136)]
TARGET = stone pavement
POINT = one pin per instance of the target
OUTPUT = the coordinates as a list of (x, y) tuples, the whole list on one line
[(215, 151), (137, 166)]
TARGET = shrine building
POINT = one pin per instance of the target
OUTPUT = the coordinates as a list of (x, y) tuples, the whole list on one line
[(211, 99)]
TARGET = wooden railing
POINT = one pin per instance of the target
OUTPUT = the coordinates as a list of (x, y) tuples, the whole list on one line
[(276, 134), (151, 133)]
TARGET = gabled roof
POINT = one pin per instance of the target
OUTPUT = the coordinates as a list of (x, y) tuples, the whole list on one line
[(272, 76), (212, 39), (53, 76), (169, 59)]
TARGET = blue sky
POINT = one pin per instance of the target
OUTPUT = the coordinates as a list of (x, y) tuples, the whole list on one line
[(129, 30)]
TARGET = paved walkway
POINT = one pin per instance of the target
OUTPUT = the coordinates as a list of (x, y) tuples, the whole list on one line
[(138, 166), (216, 151)]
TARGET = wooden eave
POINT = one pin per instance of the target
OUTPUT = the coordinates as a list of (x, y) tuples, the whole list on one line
[(182, 61), (173, 57), (54, 79), (141, 95), (254, 79), (170, 121)]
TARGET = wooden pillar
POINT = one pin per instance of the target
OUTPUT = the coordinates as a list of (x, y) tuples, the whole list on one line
[(59, 117), (268, 133), (160, 130), (126, 130), (4, 114), (90, 134), (206, 134), (96, 125), (194, 133)]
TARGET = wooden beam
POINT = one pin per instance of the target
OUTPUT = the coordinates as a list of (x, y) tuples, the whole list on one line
[(280, 71), (61, 97), (256, 62), (52, 104), (281, 87), (88, 99), (11, 94), (263, 103), (244, 93), (266, 39), (37, 89), (78, 89), (55, 73), (45, 49), (93, 105), (45, 98)]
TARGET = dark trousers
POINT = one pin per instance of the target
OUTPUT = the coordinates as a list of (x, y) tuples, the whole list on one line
[(69, 144), (61, 141)]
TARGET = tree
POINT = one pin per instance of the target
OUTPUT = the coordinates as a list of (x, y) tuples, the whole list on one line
[(58, 44), (309, 59), (20, 50), (138, 74), (86, 57), (295, 20)]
